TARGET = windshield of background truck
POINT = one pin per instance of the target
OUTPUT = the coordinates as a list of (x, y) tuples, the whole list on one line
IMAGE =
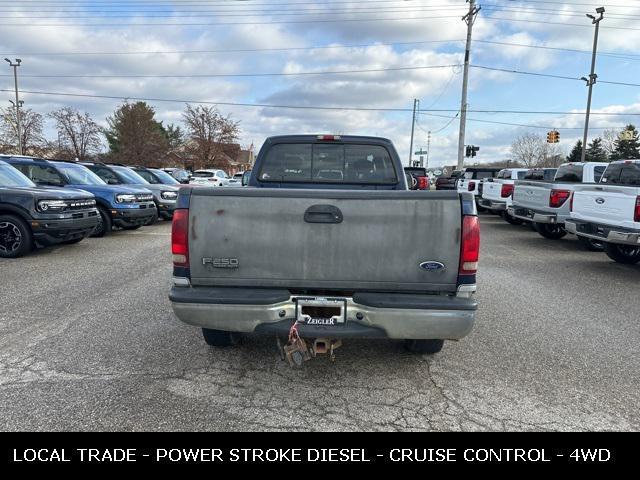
[(10, 177), (164, 177), (80, 175), (329, 163), (129, 176)]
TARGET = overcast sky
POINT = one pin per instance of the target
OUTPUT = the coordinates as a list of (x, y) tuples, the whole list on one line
[(120, 39)]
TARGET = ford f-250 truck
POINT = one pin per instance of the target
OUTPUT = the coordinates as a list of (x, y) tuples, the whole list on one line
[(609, 212), (546, 204), (328, 244)]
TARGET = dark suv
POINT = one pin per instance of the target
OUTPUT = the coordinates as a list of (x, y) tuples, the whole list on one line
[(32, 216)]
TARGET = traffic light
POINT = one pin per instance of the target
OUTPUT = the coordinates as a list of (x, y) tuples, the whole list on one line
[(553, 136), (471, 150)]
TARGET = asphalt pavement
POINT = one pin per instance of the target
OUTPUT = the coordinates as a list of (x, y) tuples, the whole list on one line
[(88, 341)]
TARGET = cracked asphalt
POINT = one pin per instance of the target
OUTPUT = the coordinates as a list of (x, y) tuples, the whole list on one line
[(88, 341)]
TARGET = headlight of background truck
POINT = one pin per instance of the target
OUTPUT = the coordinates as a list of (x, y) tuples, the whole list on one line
[(169, 195), (125, 198)]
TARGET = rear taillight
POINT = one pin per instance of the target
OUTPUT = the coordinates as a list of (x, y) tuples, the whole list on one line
[(328, 138), (471, 186), (423, 183), (470, 245), (636, 213), (506, 191), (180, 237), (558, 197)]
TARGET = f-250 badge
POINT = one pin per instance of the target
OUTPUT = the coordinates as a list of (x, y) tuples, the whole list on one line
[(220, 262)]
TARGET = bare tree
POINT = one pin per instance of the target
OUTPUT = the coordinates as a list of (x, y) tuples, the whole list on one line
[(208, 134), (32, 124), (531, 150), (609, 138), (78, 135), (528, 149)]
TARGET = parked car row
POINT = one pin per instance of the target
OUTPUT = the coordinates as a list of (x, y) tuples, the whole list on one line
[(208, 177), (44, 202), (598, 202)]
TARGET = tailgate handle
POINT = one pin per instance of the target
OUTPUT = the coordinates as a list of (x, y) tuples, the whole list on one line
[(323, 214)]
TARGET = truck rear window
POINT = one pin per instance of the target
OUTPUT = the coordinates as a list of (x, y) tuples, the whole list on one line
[(328, 163), (622, 174), (569, 173)]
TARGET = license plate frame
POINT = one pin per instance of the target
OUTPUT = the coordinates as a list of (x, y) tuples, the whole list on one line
[(306, 308)]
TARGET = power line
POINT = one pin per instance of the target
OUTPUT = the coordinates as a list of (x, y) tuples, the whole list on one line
[(311, 107), (235, 50), (172, 24), (225, 75), (319, 47), (329, 72)]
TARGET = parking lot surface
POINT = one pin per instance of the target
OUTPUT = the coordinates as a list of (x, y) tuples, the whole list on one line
[(88, 341)]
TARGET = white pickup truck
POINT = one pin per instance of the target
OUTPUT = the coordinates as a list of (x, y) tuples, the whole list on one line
[(497, 191), (546, 204), (470, 179), (610, 211)]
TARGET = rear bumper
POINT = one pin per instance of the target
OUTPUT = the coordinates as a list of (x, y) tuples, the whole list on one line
[(401, 316), (51, 232), (492, 204), (605, 233), (127, 217), (536, 216)]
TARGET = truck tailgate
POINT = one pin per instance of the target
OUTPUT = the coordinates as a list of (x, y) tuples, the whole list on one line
[(338, 239), (609, 205), (492, 191), (532, 194)]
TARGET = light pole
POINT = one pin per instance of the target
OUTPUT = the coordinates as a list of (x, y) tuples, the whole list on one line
[(18, 104), (592, 78)]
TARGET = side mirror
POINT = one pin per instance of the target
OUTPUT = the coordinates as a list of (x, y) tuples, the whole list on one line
[(112, 181), (184, 181), (245, 179)]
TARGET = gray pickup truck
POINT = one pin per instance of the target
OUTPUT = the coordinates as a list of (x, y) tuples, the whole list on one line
[(546, 204), (326, 243)]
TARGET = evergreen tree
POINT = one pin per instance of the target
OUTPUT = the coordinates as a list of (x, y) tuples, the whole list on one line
[(627, 145), (595, 151), (135, 137), (576, 152)]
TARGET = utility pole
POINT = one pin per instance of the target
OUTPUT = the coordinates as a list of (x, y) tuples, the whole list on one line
[(469, 18), (18, 104), (592, 78), (413, 124), (428, 147)]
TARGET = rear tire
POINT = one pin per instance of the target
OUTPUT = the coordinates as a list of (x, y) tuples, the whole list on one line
[(104, 224), (220, 338), (512, 220), (591, 244), (627, 254), (16, 238), (551, 231), (424, 346)]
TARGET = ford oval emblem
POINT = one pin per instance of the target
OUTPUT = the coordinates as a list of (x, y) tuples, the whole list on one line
[(432, 266), (599, 200)]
